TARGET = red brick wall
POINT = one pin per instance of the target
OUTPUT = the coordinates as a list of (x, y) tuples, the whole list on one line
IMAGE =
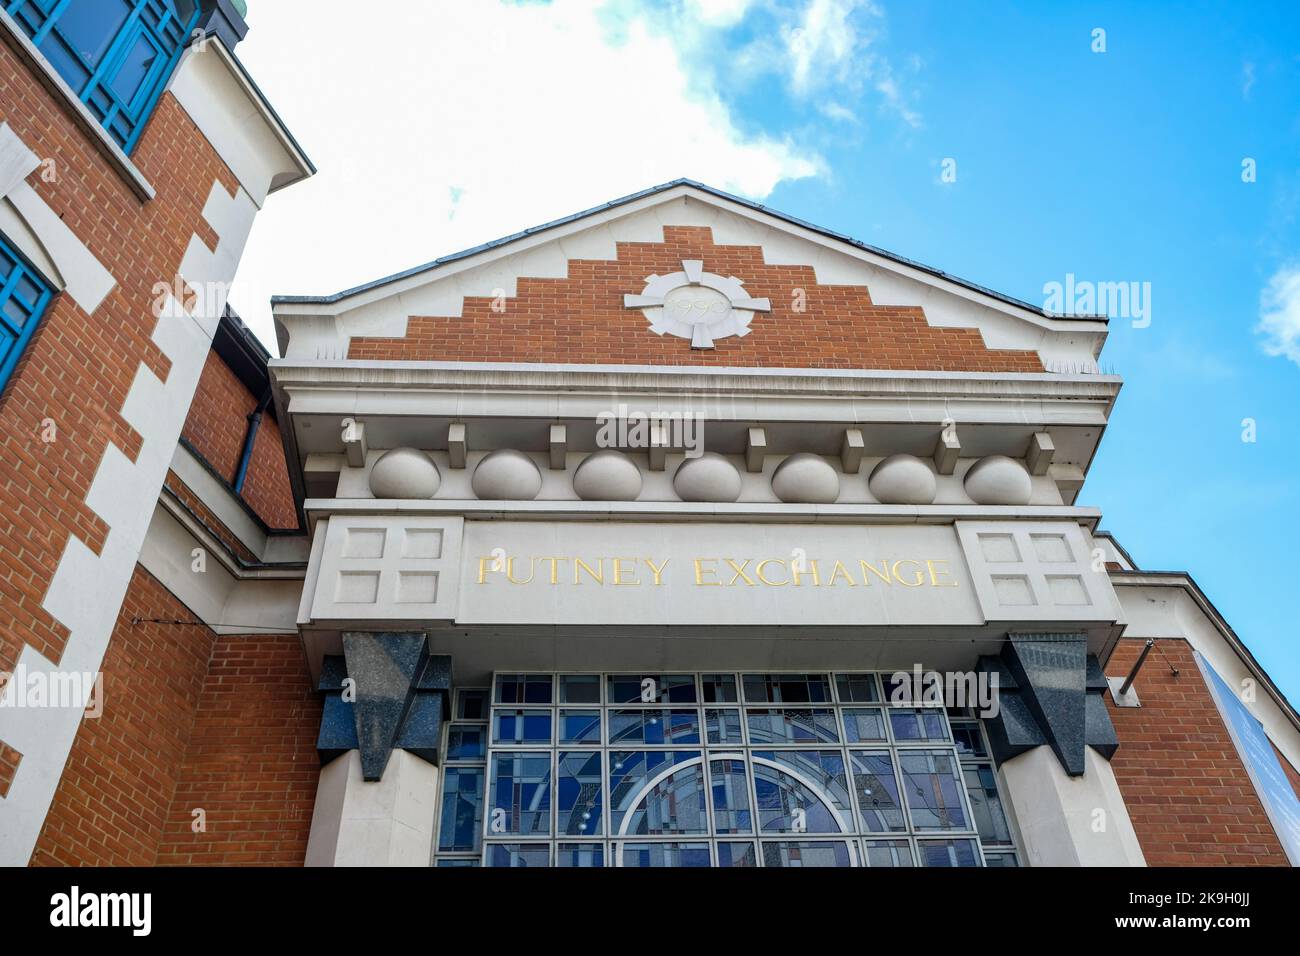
[(1188, 794), (190, 720), (112, 801), (216, 426), (582, 319), (251, 764), (78, 368)]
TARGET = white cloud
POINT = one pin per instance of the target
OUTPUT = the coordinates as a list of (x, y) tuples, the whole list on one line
[(1279, 313), (822, 46), (720, 12), (440, 125)]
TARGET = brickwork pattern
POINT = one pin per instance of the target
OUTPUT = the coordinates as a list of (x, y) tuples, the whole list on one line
[(582, 319), (1188, 794)]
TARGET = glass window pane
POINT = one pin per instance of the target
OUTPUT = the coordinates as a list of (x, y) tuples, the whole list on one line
[(466, 742), (654, 727), (457, 861), (969, 740), (723, 727), (889, 853), (802, 793), (949, 853), (720, 688), (580, 854), (141, 59), (652, 689), (580, 689), (523, 689), (986, 805), (521, 794), (857, 688), (879, 807), (933, 790), (790, 726), (729, 787), (675, 802), (911, 723), (580, 804), (737, 854), (1001, 860), (90, 26), (519, 854), (580, 727), (462, 809), (665, 854), (865, 725), (471, 704), (67, 63), (807, 853), (521, 727), (787, 689)]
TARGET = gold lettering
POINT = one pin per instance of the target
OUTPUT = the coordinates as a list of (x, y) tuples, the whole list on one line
[(935, 572), (620, 572), (555, 567), (510, 570), (838, 570), (812, 567), (884, 576), (657, 571), (701, 570), (580, 565), (758, 571), (740, 572), (919, 576), (483, 568)]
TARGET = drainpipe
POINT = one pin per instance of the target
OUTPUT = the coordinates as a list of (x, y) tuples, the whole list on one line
[(254, 420)]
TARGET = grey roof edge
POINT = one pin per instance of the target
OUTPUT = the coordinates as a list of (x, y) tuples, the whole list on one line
[(1185, 580), (270, 109), (654, 190)]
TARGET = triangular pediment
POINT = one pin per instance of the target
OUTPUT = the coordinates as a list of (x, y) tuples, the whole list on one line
[(684, 274)]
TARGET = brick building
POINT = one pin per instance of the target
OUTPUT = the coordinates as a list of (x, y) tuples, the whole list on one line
[(676, 532)]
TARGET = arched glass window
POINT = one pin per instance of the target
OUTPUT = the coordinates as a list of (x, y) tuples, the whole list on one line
[(116, 55), (23, 298)]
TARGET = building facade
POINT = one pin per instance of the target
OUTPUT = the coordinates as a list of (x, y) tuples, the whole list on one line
[(678, 532)]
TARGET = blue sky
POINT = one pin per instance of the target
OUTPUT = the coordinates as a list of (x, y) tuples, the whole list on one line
[(476, 120)]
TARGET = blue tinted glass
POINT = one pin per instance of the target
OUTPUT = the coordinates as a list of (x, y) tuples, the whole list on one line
[(521, 794), (791, 726), (857, 688), (913, 724), (462, 809), (140, 59), (723, 727), (729, 788), (523, 688), (737, 854), (666, 854), (521, 727), (864, 725), (466, 742), (652, 689), (889, 853), (787, 689), (655, 801), (519, 854), (580, 727), (807, 853), (878, 802), (949, 853), (579, 796), (580, 854), (654, 727), (90, 26), (719, 688), (933, 789)]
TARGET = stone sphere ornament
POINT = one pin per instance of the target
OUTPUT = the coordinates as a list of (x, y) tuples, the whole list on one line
[(607, 475), (405, 473), (707, 478), (903, 480), (805, 478), (998, 480), (506, 475)]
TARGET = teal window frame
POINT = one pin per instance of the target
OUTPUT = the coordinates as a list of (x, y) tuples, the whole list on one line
[(155, 23), (22, 290)]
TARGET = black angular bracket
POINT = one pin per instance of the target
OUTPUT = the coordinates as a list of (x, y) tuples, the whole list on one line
[(385, 692), (1051, 692)]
